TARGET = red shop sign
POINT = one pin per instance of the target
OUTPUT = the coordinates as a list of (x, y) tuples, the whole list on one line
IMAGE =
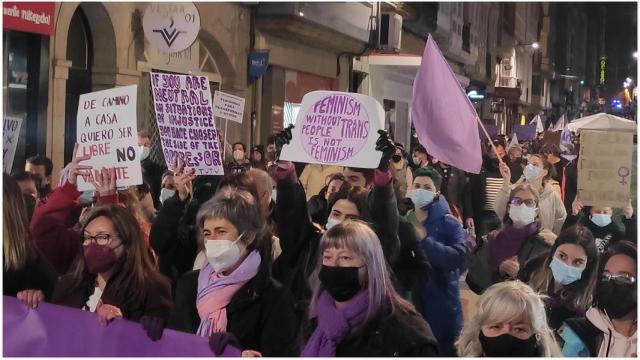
[(33, 17)]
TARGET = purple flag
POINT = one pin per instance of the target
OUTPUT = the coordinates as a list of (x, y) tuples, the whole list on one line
[(525, 132), (442, 114), (53, 330)]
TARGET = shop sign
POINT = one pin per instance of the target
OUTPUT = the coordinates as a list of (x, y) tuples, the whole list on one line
[(171, 27), (603, 66), (258, 64), (32, 17), (181, 61)]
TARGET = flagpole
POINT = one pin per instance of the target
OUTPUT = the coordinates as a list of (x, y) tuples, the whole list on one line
[(488, 138)]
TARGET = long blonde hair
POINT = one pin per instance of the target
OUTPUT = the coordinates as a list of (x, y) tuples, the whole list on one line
[(504, 302), (17, 247)]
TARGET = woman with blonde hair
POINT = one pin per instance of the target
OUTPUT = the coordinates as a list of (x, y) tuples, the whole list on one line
[(355, 310), (510, 321)]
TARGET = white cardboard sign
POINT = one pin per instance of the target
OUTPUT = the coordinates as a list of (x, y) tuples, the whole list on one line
[(227, 106), (336, 128), (185, 122), (107, 130), (10, 135)]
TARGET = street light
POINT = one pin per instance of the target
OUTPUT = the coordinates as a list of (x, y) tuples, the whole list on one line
[(635, 54), (535, 45), (628, 80)]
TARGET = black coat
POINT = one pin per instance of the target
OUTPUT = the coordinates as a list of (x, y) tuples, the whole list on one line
[(412, 269), (156, 300), (395, 335), (152, 176), (454, 182), (36, 274), (260, 314), (605, 236)]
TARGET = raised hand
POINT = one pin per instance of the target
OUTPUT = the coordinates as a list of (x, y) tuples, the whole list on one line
[(386, 146), (576, 206), (628, 211), (282, 138), (76, 169), (505, 172), (183, 179), (31, 298), (105, 181)]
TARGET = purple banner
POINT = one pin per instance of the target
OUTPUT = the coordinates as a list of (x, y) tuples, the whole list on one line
[(525, 132), (53, 330), (491, 129)]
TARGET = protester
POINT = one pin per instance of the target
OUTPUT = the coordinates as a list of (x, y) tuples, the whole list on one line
[(239, 163), (258, 160), (515, 162), (313, 177), (510, 322), (234, 291), (168, 186), (27, 182), (551, 210), (479, 205), (402, 176), (42, 167), (354, 310), (26, 274), (610, 326), (453, 185), (270, 154), (317, 205), (151, 171), (443, 242), (599, 220), (420, 157), (501, 254), (114, 274), (567, 275), (552, 154)]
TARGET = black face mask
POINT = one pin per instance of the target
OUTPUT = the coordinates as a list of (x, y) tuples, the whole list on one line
[(506, 345), (396, 158), (617, 300), (341, 282), (494, 163)]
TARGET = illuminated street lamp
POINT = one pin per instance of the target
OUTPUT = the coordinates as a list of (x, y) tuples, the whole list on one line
[(535, 45), (635, 54)]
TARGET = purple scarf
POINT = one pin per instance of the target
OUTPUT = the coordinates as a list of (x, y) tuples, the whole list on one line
[(509, 241), (334, 324)]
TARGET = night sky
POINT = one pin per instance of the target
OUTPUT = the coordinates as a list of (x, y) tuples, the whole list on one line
[(621, 41)]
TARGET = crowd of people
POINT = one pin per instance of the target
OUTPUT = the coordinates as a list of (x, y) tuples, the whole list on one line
[(283, 259)]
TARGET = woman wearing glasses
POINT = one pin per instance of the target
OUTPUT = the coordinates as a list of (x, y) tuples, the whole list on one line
[(538, 174), (114, 274), (610, 326), (501, 254), (567, 274)]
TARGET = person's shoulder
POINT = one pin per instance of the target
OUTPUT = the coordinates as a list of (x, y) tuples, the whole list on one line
[(407, 328)]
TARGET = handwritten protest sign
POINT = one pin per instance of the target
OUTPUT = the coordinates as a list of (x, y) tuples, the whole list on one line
[(107, 130), (185, 122), (336, 128), (10, 134), (227, 106), (525, 132), (604, 168)]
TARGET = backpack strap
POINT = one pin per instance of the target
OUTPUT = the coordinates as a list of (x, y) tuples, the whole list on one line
[(590, 335)]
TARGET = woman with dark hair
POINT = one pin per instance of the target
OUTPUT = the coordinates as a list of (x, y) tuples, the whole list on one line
[(114, 275), (567, 275), (500, 255), (538, 174), (258, 160), (317, 205), (355, 310), (26, 274), (610, 326), (599, 220), (234, 291)]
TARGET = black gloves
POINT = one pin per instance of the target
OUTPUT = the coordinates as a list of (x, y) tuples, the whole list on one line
[(219, 341), (154, 326), (386, 146), (282, 138)]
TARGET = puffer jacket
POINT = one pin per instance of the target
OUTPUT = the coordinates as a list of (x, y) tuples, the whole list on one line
[(551, 209), (446, 250)]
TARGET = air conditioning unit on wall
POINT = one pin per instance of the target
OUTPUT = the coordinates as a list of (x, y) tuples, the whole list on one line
[(390, 31)]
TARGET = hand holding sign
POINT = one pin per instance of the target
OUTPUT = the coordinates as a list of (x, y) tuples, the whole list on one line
[(282, 138), (105, 181), (182, 179), (386, 146), (76, 169)]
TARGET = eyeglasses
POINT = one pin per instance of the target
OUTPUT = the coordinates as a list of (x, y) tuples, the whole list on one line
[(101, 239), (623, 279), (517, 201)]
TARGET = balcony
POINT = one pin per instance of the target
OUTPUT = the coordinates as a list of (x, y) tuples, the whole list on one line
[(333, 26)]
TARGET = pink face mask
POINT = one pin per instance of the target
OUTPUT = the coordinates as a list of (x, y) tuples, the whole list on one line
[(99, 258)]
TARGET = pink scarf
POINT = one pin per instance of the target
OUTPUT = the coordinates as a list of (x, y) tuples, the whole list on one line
[(215, 291)]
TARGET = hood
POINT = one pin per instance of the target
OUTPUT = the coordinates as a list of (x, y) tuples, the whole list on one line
[(438, 209), (614, 344)]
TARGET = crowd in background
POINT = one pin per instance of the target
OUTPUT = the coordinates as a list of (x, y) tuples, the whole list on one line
[(284, 259)]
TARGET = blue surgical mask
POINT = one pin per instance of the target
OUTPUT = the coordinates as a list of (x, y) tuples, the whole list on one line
[(331, 222), (563, 273), (144, 152), (86, 198), (422, 197), (601, 220), (532, 172)]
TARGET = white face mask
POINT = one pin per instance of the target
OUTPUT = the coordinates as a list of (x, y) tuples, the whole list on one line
[(238, 155), (601, 220), (532, 172), (86, 198), (222, 254), (331, 222), (522, 215), (144, 152), (274, 195), (422, 197), (416, 160), (166, 194)]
